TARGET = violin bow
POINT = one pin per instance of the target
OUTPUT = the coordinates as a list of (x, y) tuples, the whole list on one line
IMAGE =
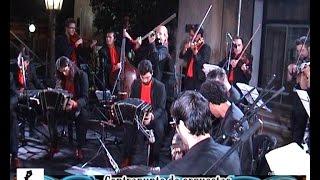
[(249, 42), (304, 43), (161, 24), (205, 16)]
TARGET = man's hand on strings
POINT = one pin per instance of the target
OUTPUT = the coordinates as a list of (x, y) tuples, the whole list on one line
[(72, 104), (234, 63)]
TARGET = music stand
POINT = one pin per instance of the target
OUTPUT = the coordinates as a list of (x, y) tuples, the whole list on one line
[(251, 94), (305, 100)]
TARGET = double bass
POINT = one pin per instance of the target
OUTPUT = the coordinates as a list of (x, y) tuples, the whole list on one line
[(125, 75)]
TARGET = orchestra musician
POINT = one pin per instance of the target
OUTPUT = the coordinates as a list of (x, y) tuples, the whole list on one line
[(239, 69), (68, 44), (226, 115), (15, 161), (109, 59), (26, 81), (300, 77), (195, 54), (75, 81), (152, 91), (219, 74), (191, 115)]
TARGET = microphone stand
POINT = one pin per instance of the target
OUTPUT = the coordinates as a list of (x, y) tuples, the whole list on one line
[(111, 160)]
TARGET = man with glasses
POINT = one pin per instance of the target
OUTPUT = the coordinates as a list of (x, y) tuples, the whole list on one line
[(191, 116), (68, 43)]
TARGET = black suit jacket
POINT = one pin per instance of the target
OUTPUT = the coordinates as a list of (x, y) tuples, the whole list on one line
[(81, 88), (240, 75), (200, 157), (158, 98), (201, 58), (105, 61), (64, 48)]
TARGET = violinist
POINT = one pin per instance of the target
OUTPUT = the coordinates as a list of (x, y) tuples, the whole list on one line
[(109, 59), (195, 54), (68, 44), (300, 76), (240, 68)]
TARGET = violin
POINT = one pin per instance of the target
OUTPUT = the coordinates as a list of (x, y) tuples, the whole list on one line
[(303, 75)]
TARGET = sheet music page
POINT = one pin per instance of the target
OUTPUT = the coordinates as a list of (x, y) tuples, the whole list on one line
[(290, 159), (304, 98), (252, 96), (208, 67)]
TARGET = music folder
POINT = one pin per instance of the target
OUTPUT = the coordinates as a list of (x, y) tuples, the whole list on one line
[(252, 96), (290, 159)]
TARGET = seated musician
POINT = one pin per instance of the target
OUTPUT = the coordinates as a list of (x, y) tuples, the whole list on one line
[(153, 92), (29, 82), (75, 81), (109, 60), (191, 115), (15, 161), (238, 70), (226, 115), (301, 80), (219, 74)]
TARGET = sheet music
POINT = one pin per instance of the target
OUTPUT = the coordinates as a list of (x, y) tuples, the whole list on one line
[(209, 67), (289, 159), (100, 94), (252, 96), (304, 98)]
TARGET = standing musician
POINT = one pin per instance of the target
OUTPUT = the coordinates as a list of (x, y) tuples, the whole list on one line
[(68, 43), (152, 91), (239, 70), (300, 77), (75, 81), (192, 120), (195, 54), (158, 53), (110, 59)]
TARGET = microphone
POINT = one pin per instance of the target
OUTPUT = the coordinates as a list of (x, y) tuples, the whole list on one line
[(229, 35), (152, 139)]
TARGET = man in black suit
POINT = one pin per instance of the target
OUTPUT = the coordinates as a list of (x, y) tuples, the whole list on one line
[(192, 120), (153, 92), (75, 81), (109, 56), (195, 54)]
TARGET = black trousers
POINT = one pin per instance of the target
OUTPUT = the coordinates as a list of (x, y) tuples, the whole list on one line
[(81, 122), (299, 119), (13, 134)]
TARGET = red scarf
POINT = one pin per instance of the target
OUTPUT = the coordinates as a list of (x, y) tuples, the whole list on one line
[(190, 72), (69, 86), (73, 56), (145, 94), (21, 82), (114, 57)]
